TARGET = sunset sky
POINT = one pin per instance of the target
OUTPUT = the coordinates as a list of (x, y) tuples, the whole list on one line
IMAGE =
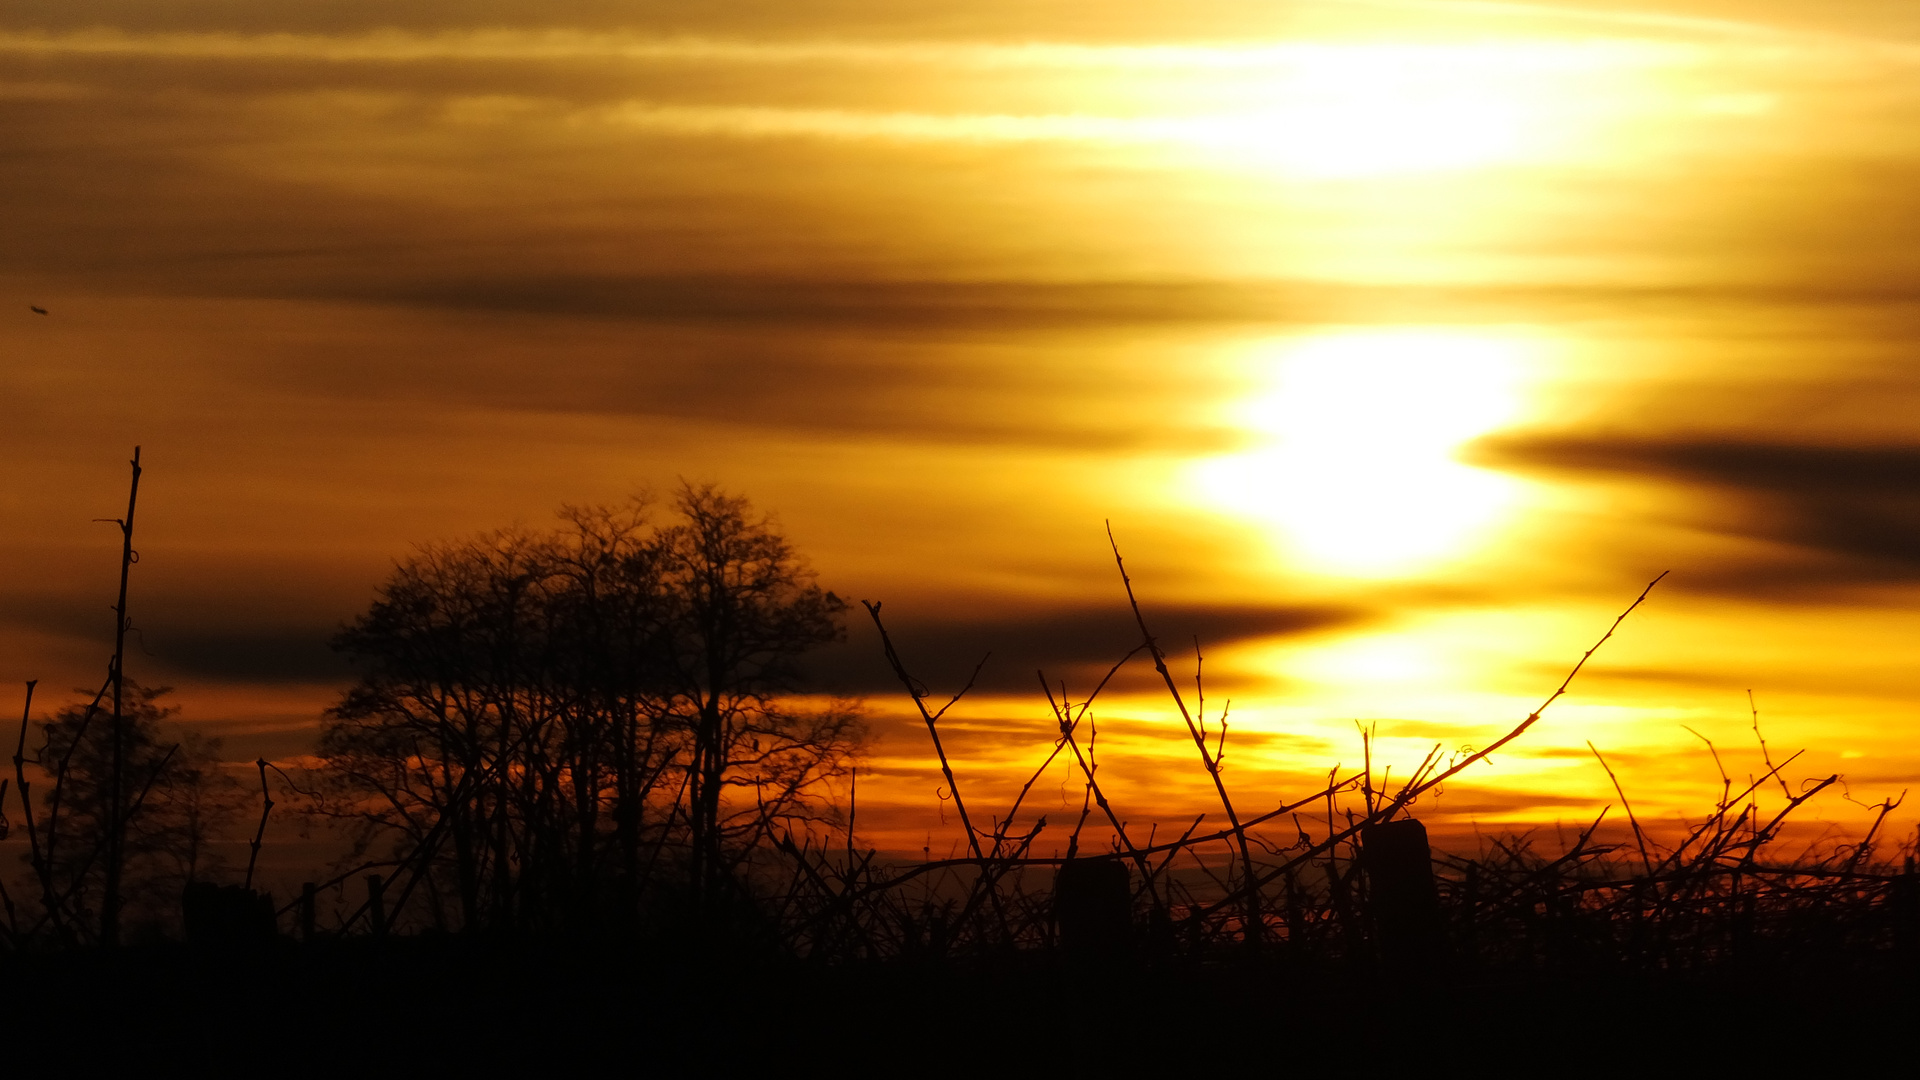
[(1400, 342)]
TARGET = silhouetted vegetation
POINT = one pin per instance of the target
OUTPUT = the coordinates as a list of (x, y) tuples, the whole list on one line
[(565, 731), (130, 805), (595, 737), (182, 803), (1344, 879)]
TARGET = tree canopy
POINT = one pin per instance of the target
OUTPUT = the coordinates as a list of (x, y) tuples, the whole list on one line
[(564, 728), (173, 802)]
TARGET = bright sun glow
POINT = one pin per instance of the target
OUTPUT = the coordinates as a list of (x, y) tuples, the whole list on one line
[(1359, 432), (1357, 111), (1322, 121)]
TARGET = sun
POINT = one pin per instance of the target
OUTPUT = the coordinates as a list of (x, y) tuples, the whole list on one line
[(1380, 111), (1355, 436), (1333, 110)]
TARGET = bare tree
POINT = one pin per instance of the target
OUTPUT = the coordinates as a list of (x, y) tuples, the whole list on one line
[(744, 607), (174, 802), (546, 724)]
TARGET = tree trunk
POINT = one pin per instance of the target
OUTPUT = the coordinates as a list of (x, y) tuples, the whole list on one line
[(117, 809)]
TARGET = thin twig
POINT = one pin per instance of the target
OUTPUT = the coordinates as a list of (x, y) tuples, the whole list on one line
[(1207, 760), (266, 807), (1639, 837), (918, 694)]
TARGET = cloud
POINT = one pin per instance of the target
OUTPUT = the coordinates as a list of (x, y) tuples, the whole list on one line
[(1848, 515), (881, 382), (194, 638), (1010, 21), (571, 45), (1491, 803), (397, 156), (252, 654), (1076, 642), (280, 635)]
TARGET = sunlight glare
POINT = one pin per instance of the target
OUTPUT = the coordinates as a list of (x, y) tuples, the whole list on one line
[(1358, 433), (1347, 111), (1335, 125)]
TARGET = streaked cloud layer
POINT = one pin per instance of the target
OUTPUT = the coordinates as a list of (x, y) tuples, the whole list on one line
[(1284, 291)]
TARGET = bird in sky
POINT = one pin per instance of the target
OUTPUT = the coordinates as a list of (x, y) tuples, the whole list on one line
[(36, 309)]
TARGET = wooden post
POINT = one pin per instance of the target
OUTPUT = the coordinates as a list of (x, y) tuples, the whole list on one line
[(1405, 900), (227, 918), (1470, 913), (1906, 913), (1296, 916), (307, 891), (1093, 901), (377, 905)]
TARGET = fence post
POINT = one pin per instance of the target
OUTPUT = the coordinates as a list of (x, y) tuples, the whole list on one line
[(1296, 916), (1093, 901), (1470, 914), (307, 904), (1906, 913), (377, 905), (1405, 901)]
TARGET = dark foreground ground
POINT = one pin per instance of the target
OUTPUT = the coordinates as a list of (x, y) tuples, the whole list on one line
[(454, 1006)]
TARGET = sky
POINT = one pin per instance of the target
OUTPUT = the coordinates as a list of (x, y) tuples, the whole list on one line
[(1401, 343)]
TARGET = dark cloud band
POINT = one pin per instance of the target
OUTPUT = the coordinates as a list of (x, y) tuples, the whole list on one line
[(1852, 512)]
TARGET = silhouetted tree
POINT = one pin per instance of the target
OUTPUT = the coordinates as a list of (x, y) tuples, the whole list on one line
[(743, 606), (173, 802), (450, 692), (546, 723)]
